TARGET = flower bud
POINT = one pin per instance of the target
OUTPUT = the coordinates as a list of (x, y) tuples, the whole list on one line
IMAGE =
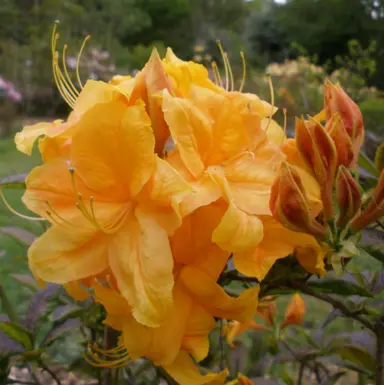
[(294, 314), (241, 380), (289, 203), (337, 100), (319, 151), (343, 143), (375, 208), (348, 196)]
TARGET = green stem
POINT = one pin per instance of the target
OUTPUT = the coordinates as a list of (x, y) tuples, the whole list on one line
[(8, 308)]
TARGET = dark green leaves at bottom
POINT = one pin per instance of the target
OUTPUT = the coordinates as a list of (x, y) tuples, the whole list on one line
[(358, 356), (18, 333)]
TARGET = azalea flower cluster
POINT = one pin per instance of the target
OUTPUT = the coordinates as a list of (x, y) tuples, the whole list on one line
[(155, 181)]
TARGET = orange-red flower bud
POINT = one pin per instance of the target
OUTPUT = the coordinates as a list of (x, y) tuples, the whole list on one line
[(348, 196), (375, 208), (289, 203), (343, 143), (294, 314), (337, 100), (319, 151)]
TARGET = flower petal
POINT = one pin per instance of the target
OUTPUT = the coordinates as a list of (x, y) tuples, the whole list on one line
[(213, 297), (113, 150), (185, 372), (62, 255), (141, 260)]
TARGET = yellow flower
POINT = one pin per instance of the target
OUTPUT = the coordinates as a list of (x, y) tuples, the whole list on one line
[(112, 203)]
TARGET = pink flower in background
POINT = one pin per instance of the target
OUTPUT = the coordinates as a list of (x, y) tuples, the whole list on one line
[(9, 91)]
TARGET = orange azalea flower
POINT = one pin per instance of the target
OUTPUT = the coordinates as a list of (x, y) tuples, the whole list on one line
[(113, 204), (222, 151), (241, 380), (197, 298), (294, 314)]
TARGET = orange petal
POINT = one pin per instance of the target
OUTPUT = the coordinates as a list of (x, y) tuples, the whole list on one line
[(113, 150), (62, 255), (213, 297), (141, 260), (191, 131), (294, 314), (185, 372)]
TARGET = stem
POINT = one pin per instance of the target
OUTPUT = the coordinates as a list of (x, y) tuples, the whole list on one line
[(50, 372), (301, 374), (335, 303), (379, 328)]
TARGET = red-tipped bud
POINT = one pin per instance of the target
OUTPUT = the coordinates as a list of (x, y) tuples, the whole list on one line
[(336, 100), (289, 203), (294, 314), (319, 151), (375, 208), (343, 143), (348, 196)]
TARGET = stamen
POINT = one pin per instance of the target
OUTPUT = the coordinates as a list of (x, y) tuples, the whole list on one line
[(13, 211), (217, 74), (214, 68), (225, 64), (272, 102), (244, 71), (61, 219), (74, 89), (78, 61), (114, 358), (230, 71), (285, 125), (63, 81)]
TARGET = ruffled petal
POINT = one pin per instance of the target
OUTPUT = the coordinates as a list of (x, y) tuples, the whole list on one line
[(212, 297), (191, 131), (185, 372), (113, 150), (141, 260)]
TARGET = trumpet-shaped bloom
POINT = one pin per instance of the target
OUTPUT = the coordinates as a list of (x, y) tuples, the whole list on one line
[(222, 151), (197, 300), (112, 203)]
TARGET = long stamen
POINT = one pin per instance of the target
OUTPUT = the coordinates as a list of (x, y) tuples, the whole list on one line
[(230, 71), (13, 211), (272, 102), (61, 220), (225, 64), (65, 85), (78, 61), (244, 71), (74, 89), (215, 73), (285, 125), (218, 75), (114, 358)]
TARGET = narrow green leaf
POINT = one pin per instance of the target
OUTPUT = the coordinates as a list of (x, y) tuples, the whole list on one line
[(7, 306), (26, 280), (14, 181), (374, 251), (18, 334), (332, 380), (358, 356), (21, 235), (379, 158), (59, 331), (367, 165), (339, 287)]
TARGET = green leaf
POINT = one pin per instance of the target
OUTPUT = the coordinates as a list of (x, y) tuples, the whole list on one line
[(358, 356), (58, 332), (332, 380), (379, 158), (18, 334), (374, 251), (21, 235), (339, 287), (26, 280), (14, 181), (7, 306), (367, 165)]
